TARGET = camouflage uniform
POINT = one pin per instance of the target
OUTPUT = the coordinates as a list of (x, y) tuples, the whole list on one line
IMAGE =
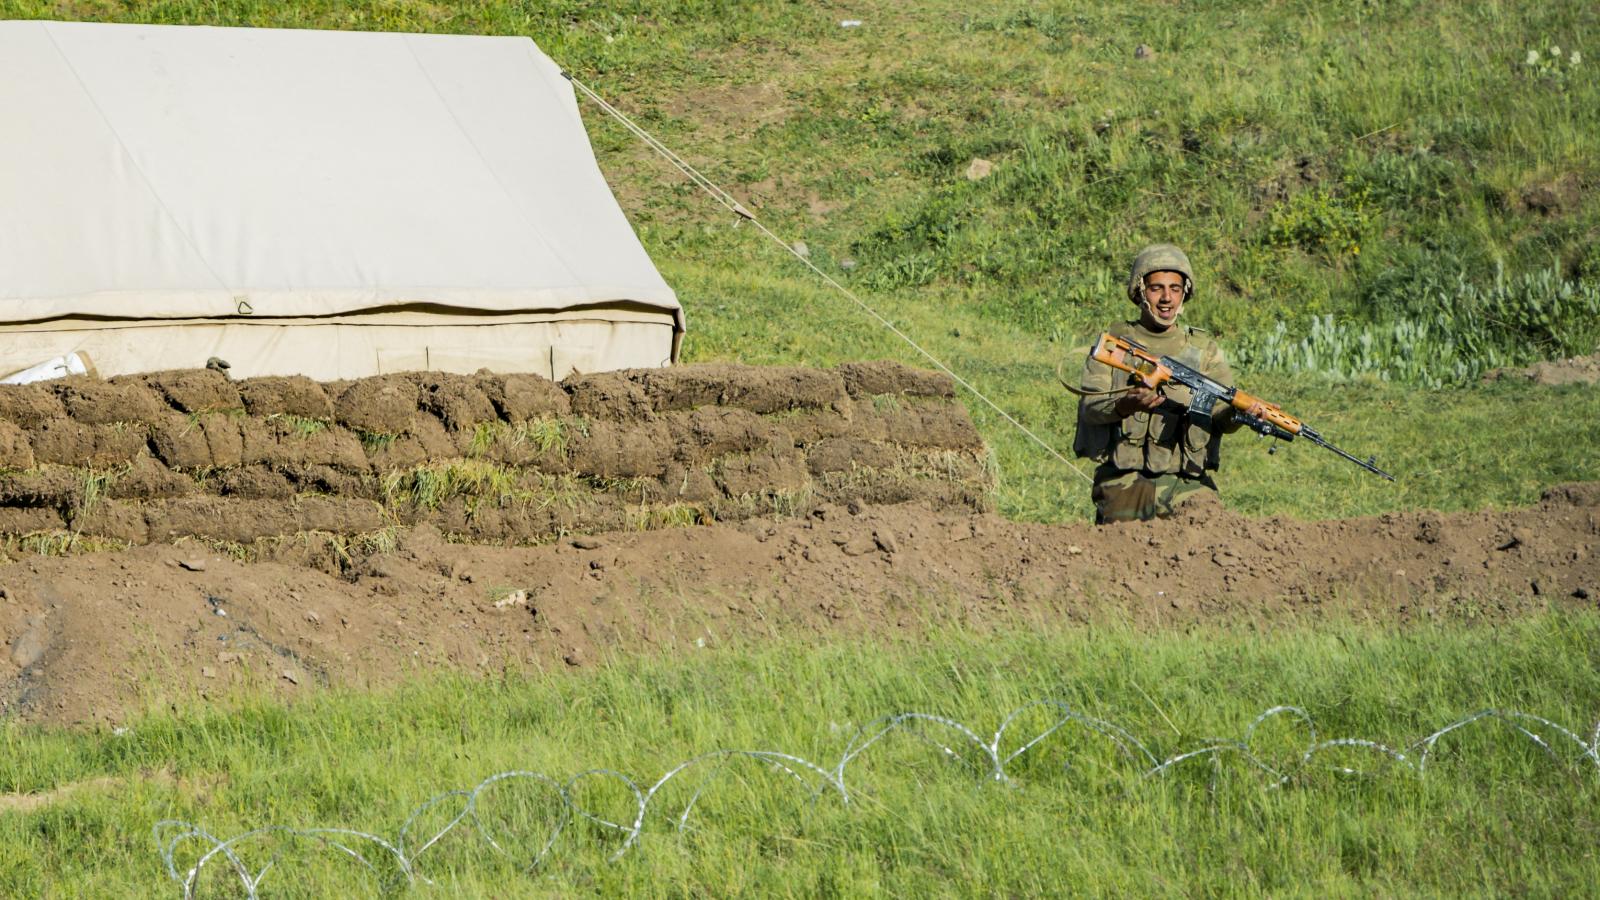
[(1150, 462)]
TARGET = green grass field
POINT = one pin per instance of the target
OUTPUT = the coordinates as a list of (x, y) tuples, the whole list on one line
[(1493, 814), (1383, 198)]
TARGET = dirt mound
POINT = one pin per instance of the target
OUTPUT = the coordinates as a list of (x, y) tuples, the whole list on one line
[(1577, 370), (1552, 196), (505, 459), (89, 637)]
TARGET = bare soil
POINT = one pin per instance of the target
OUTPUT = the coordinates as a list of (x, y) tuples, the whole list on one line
[(1576, 370), (91, 639)]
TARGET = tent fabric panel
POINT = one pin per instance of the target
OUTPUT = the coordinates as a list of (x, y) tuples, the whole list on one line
[(348, 168), (61, 169), (327, 352), (303, 172), (520, 143)]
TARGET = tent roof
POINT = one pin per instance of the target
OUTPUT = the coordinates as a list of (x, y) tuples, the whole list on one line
[(185, 172)]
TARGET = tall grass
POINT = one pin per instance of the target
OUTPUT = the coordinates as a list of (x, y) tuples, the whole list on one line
[(1077, 818)]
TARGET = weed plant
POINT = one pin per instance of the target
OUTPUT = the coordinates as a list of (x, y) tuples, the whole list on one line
[(1447, 334), (55, 543), (299, 426), (543, 434)]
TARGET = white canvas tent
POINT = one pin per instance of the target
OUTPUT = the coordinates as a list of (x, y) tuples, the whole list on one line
[(333, 204)]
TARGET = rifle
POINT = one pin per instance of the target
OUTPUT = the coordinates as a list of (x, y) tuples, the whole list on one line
[(1152, 371)]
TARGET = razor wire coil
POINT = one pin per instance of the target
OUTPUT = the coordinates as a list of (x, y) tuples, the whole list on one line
[(404, 851)]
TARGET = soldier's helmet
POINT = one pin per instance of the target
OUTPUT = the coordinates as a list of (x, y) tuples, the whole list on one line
[(1159, 258)]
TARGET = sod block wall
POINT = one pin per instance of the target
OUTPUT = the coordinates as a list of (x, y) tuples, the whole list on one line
[(491, 458)]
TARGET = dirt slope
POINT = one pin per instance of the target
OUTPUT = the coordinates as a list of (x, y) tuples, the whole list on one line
[(89, 638)]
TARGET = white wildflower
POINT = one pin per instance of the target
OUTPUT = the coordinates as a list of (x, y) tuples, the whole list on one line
[(1555, 51), (1533, 58), (1575, 58)]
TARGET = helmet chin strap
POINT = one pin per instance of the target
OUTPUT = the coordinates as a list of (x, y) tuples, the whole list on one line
[(1148, 309), (1188, 289)]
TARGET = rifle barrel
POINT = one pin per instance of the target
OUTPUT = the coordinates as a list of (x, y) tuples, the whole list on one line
[(1367, 464)]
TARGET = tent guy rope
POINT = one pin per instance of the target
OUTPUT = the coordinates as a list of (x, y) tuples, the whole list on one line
[(733, 205)]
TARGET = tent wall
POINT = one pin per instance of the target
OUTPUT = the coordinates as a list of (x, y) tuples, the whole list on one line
[(339, 350)]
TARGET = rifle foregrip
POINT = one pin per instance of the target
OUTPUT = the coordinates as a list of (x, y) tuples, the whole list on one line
[(1271, 412)]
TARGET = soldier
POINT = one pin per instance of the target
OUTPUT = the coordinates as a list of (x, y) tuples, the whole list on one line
[(1152, 458)]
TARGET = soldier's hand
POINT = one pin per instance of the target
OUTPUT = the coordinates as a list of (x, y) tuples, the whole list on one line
[(1139, 399)]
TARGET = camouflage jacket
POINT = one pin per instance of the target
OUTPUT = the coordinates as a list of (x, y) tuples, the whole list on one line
[(1162, 442)]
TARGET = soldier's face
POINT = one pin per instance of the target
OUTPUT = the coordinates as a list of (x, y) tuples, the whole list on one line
[(1162, 301)]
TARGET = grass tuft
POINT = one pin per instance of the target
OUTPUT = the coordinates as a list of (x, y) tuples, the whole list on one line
[(300, 426)]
